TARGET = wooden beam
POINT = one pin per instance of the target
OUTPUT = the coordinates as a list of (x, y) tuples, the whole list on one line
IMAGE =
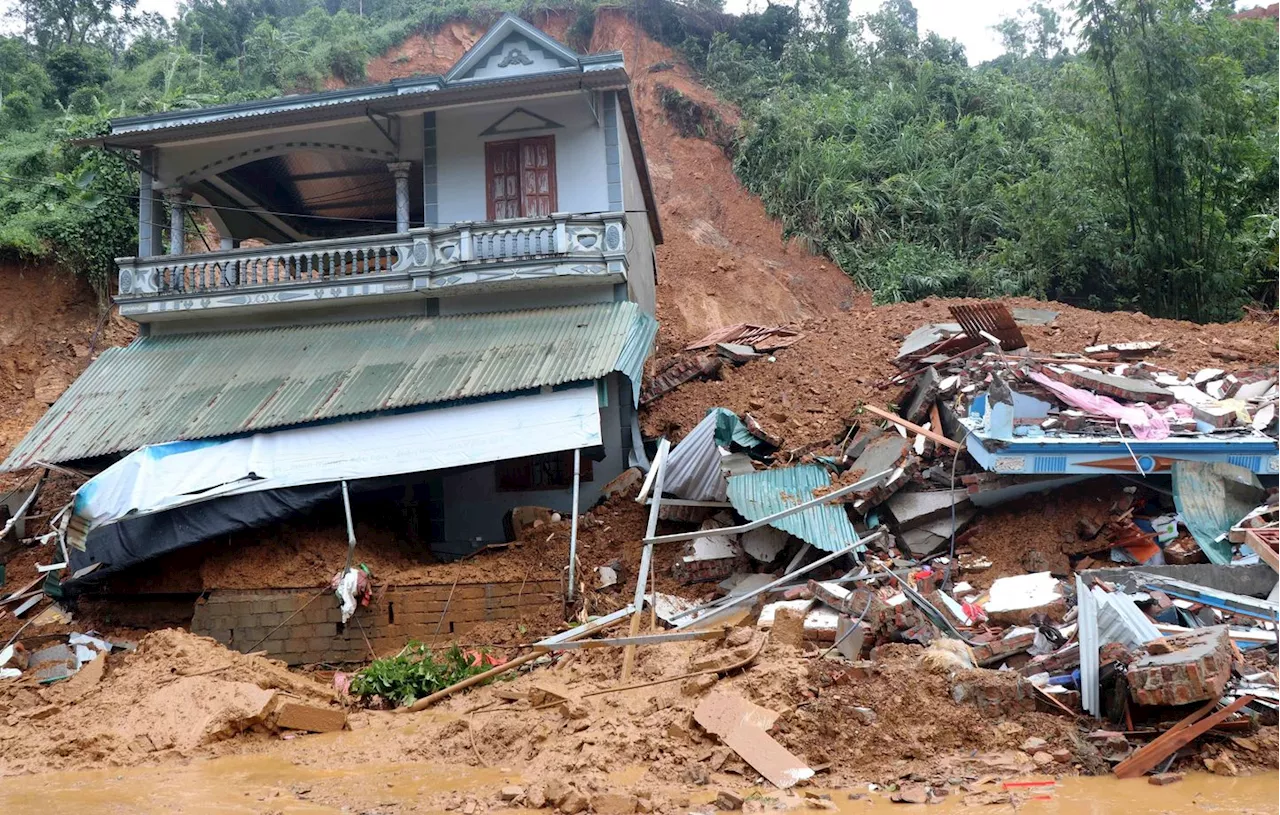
[(1182, 734), (938, 438)]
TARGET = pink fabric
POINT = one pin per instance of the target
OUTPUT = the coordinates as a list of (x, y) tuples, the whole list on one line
[(1145, 422)]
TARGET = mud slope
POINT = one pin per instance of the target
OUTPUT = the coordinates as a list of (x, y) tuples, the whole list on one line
[(48, 321), (723, 260)]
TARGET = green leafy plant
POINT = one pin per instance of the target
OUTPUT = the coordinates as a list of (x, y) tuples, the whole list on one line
[(416, 672)]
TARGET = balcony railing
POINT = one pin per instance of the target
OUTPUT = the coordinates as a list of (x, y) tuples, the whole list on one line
[(427, 251)]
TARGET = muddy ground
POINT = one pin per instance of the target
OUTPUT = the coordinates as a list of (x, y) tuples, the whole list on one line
[(178, 697)]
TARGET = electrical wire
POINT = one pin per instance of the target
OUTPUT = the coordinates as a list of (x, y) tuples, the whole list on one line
[(257, 210)]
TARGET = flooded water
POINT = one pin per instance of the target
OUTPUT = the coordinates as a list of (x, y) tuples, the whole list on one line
[(262, 784)]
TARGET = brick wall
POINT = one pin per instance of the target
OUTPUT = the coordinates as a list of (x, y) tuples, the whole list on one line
[(310, 633)]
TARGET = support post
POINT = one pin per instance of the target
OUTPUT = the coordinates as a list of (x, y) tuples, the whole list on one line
[(147, 244), (400, 169), (177, 216), (351, 529), (573, 524), (646, 558)]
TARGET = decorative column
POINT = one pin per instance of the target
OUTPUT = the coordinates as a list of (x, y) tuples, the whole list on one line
[(146, 205), (177, 220), (400, 170)]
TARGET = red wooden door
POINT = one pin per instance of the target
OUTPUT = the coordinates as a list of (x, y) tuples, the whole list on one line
[(520, 177), (538, 176), (502, 177)]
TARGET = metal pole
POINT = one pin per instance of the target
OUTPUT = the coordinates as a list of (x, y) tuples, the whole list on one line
[(573, 525), (729, 602), (646, 557), (351, 530), (768, 519)]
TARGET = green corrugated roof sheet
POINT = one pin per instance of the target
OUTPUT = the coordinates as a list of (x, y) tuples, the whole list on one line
[(195, 386), (763, 493)]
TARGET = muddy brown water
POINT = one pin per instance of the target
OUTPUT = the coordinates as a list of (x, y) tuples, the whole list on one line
[(258, 784)]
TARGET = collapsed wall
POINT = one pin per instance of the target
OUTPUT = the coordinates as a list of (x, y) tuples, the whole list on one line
[(302, 626)]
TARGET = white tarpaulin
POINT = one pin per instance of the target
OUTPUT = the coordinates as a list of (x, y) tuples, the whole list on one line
[(164, 476)]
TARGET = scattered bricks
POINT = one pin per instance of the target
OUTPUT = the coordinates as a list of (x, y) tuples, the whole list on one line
[(697, 685), (1062, 755), (1164, 779), (728, 800), (834, 595), (1182, 669), (862, 669), (314, 719), (989, 653)]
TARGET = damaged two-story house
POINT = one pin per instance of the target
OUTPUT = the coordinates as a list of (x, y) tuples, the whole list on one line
[(441, 287)]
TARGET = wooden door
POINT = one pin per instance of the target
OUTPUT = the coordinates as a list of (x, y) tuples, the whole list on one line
[(502, 179), (538, 176)]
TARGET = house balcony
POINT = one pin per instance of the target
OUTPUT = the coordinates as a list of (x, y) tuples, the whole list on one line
[(463, 258)]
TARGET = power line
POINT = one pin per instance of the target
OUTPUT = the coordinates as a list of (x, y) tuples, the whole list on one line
[(15, 180)]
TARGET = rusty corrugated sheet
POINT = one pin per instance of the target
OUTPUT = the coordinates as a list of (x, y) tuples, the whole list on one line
[(196, 386), (760, 494)]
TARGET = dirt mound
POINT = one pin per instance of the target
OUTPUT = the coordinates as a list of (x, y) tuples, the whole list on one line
[(50, 329), (815, 386), (177, 695)]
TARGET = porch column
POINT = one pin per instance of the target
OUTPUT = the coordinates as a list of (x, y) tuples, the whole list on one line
[(400, 170), (177, 224), (146, 205)]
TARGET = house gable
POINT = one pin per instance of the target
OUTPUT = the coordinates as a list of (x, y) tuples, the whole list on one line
[(520, 120), (512, 48)]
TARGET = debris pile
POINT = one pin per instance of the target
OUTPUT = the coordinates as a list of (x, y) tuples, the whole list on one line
[(173, 695)]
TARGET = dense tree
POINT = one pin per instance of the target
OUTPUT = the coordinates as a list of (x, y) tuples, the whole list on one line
[(1138, 172)]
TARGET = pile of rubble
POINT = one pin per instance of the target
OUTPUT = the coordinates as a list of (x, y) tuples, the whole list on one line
[(865, 541)]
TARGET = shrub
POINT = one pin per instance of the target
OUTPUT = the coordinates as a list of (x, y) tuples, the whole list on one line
[(416, 672)]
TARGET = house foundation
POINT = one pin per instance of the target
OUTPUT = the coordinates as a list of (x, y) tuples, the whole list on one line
[(300, 627)]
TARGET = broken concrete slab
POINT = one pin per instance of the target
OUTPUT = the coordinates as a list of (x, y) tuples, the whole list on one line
[(914, 509), (742, 726), (928, 384), (764, 543), (1117, 387), (1012, 600), (886, 452), (932, 537)]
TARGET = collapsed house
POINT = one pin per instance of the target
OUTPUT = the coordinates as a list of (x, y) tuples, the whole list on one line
[(440, 288)]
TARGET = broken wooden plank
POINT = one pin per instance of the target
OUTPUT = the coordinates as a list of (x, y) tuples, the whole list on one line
[(1263, 541), (937, 438), (1182, 734), (22, 592), (742, 726)]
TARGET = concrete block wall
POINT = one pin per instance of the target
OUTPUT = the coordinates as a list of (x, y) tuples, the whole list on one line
[(283, 623)]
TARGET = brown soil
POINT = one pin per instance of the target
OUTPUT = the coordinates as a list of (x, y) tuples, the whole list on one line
[(48, 320), (177, 696), (814, 387)]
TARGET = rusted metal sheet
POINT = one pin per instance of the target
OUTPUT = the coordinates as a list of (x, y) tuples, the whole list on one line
[(993, 318)]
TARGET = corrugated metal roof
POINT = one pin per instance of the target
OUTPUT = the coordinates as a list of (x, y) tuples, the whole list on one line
[(693, 468), (760, 494), (195, 386)]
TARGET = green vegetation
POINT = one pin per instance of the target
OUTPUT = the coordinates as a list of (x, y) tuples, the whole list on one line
[(416, 672), (1139, 173), (1120, 154)]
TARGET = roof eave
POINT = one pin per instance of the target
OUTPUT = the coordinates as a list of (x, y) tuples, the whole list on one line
[(397, 97)]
